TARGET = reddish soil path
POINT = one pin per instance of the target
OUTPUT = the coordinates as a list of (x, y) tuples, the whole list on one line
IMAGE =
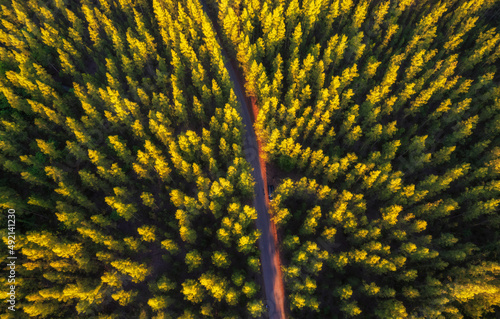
[(279, 291), (268, 242), (252, 147)]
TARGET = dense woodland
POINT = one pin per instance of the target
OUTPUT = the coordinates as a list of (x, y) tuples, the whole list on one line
[(383, 118), (121, 152)]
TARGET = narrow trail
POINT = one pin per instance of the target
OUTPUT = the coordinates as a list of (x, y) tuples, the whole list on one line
[(269, 256)]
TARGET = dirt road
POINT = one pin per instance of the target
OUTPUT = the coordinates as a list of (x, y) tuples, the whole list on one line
[(269, 256)]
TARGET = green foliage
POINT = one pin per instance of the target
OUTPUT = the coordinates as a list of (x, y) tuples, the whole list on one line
[(379, 124), (111, 114), (121, 151)]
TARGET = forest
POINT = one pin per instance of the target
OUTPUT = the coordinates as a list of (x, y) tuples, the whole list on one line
[(121, 152), (381, 120)]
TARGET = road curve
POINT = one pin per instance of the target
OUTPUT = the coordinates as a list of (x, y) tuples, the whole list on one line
[(269, 256)]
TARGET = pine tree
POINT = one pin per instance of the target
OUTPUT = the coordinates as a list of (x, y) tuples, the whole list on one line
[(193, 260), (137, 271), (193, 291)]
